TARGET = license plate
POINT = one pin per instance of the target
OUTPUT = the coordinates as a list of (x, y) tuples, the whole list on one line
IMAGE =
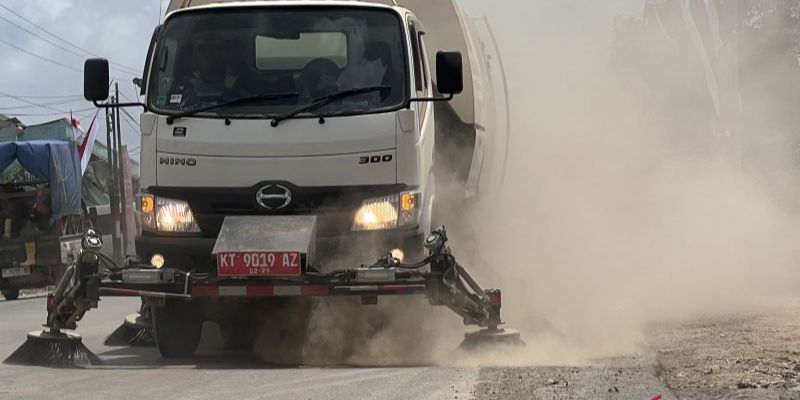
[(259, 263), (15, 271)]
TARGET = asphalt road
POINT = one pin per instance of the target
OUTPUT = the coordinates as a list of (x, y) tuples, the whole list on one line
[(139, 373)]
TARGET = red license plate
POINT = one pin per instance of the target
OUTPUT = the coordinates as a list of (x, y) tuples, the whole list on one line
[(259, 263)]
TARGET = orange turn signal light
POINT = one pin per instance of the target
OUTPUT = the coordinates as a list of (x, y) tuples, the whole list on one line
[(148, 204), (408, 201)]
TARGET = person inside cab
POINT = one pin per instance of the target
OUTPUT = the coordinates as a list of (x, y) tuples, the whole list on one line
[(370, 64), (209, 78)]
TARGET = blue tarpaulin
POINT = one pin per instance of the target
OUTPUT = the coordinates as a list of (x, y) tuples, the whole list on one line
[(56, 162)]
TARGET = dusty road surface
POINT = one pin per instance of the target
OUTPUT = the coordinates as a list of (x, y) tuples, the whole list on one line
[(136, 373), (753, 354)]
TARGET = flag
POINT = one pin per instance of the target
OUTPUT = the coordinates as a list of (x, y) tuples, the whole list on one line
[(85, 149)]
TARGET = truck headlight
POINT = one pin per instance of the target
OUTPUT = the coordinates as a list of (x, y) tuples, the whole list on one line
[(167, 215), (388, 212)]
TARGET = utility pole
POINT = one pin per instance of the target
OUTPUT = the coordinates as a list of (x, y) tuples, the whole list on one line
[(120, 179), (111, 178)]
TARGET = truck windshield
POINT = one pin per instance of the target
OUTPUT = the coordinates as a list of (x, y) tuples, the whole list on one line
[(212, 56)]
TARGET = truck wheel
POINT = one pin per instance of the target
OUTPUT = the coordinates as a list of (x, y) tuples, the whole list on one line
[(178, 326), (11, 294)]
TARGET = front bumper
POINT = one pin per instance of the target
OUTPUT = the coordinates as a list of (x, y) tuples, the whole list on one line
[(182, 253), (347, 250)]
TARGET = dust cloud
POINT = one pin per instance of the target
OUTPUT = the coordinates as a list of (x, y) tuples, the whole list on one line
[(403, 331), (627, 200)]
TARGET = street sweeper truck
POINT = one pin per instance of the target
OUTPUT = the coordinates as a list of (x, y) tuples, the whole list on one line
[(283, 139)]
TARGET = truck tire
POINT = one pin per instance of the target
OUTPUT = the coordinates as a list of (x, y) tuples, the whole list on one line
[(177, 327), (11, 294)]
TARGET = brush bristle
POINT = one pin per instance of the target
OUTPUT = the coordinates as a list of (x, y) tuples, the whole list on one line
[(126, 335), (53, 352), (485, 338)]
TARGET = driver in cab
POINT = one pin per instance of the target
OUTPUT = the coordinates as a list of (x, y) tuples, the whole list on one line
[(212, 79)]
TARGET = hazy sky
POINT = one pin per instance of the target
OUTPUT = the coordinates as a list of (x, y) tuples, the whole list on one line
[(116, 29), (120, 30)]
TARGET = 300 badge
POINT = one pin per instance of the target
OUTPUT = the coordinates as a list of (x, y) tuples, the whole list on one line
[(375, 159)]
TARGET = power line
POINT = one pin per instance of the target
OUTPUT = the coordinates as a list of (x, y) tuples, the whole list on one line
[(30, 102), (129, 117), (91, 112), (135, 129), (127, 114), (52, 113), (84, 115), (53, 103), (40, 57), (71, 96), (58, 37), (125, 97), (41, 105), (49, 60), (74, 53)]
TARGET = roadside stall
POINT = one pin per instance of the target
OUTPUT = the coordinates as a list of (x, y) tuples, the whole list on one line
[(43, 220)]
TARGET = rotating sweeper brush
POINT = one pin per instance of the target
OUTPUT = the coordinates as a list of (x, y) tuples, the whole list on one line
[(444, 283), (53, 348), (136, 330), (66, 305)]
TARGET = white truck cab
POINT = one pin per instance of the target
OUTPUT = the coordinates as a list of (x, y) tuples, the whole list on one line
[(231, 127)]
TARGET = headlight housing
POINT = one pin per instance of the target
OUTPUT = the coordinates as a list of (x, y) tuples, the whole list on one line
[(388, 212), (167, 215)]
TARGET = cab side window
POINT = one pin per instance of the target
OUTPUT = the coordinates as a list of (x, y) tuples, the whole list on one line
[(420, 73), (416, 54), (423, 60)]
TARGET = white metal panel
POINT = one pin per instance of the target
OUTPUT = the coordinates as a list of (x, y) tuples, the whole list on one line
[(147, 153), (293, 137), (338, 170)]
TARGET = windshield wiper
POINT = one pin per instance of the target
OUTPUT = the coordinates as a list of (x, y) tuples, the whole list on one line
[(325, 100), (240, 100)]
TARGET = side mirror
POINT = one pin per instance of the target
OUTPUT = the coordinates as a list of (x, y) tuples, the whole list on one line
[(95, 79), (449, 72)]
